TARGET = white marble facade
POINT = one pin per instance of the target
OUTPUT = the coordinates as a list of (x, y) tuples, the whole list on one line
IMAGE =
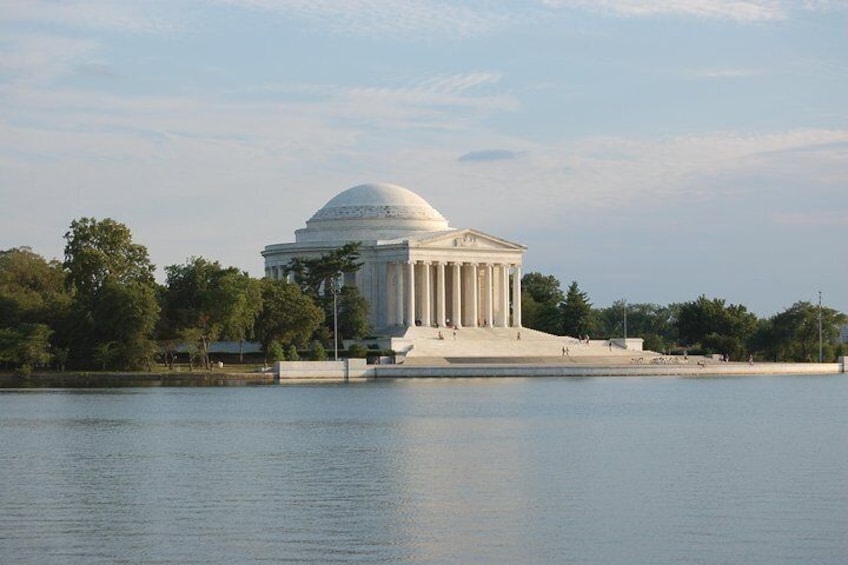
[(417, 270)]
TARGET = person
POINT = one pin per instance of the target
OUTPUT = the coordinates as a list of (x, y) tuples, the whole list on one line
[(750, 359), (454, 334), (441, 336), (518, 336), (563, 351)]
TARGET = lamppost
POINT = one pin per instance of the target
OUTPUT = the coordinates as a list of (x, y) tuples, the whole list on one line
[(335, 317), (625, 322)]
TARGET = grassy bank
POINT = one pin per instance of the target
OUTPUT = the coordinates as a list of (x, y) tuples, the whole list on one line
[(97, 379)]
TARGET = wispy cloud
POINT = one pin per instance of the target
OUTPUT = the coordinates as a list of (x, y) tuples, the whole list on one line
[(147, 17), (719, 73), (737, 10), (488, 155), (412, 19), (38, 58)]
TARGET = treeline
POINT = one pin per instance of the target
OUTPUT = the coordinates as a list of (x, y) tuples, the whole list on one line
[(704, 325), (101, 307)]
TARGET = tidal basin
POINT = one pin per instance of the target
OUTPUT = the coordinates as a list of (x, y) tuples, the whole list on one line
[(561, 470)]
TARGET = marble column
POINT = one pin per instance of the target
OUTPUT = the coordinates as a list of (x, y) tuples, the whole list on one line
[(441, 294), (516, 297), (472, 298), (457, 291), (397, 272), (490, 295), (425, 295), (410, 294), (503, 321)]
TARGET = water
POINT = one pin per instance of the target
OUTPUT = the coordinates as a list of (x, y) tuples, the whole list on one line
[(654, 470)]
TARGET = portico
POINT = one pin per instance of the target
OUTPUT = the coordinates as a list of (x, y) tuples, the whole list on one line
[(452, 293), (416, 270)]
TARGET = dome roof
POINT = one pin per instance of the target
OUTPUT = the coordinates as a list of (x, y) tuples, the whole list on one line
[(379, 200), (372, 212)]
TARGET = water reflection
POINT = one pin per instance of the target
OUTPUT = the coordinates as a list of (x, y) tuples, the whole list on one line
[(477, 471)]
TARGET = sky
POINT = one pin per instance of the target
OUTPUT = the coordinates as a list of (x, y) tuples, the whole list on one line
[(651, 150)]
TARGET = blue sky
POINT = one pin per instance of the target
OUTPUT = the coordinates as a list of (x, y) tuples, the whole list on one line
[(650, 150)]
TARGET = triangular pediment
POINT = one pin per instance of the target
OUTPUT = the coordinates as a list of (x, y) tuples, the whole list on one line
[(463, 238)]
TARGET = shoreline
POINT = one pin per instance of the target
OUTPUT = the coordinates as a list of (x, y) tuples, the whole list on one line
[(345, 372)]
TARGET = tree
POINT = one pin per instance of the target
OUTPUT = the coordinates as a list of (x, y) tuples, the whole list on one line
[(126, 315), (32, 290), (715, 326), (287, 316), (205, 302), (27, 345), (97, 251), (576, 312), (651, 322), (541, 288), (353, 314), (318, 276), (315, 275), (276, 352), (33, 302), (114, 293), (793, 335), (541, 302)]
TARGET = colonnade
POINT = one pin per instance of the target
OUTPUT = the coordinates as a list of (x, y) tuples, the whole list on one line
[(453, 293)]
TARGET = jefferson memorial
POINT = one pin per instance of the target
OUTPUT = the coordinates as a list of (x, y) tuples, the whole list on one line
[(417, 270)]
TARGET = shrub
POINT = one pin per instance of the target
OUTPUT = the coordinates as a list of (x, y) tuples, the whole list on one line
[(291, 353), (357, 351)]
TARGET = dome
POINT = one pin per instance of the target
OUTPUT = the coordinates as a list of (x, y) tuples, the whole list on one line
[(372, 212), (382, 200)]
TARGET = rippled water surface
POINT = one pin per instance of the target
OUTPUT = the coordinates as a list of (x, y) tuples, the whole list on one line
[(608, 470)]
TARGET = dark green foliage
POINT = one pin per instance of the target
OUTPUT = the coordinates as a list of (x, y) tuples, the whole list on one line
[(292, 354), (652, 322), (97, 251), (318, 352), (353, 314), (715, 326), (576, 312), (205, 302), (288, 315), (793, 335), (114, 295), (320, 277), (314, 274), (357, 351), (541, 302), (276, 352), (25, 345)]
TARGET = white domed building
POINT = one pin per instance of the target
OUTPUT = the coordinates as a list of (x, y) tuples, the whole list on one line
[(417, 270)]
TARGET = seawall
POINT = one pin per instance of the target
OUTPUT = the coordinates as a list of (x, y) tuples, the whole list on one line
[(354, 370)]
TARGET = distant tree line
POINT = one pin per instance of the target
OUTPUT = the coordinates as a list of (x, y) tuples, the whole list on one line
[(101, 307), (704, 325)]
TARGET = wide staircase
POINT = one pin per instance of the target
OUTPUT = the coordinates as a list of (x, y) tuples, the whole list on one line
[(442, 346)]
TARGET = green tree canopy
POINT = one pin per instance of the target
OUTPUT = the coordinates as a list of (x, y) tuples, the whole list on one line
[(576, 312), (353, 314), (793, 335), (97, 251), (314, 274), (32, 290), (716, 326), (541, 302), (288, 316), (114, 294), (205, 302), (651, 322)]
